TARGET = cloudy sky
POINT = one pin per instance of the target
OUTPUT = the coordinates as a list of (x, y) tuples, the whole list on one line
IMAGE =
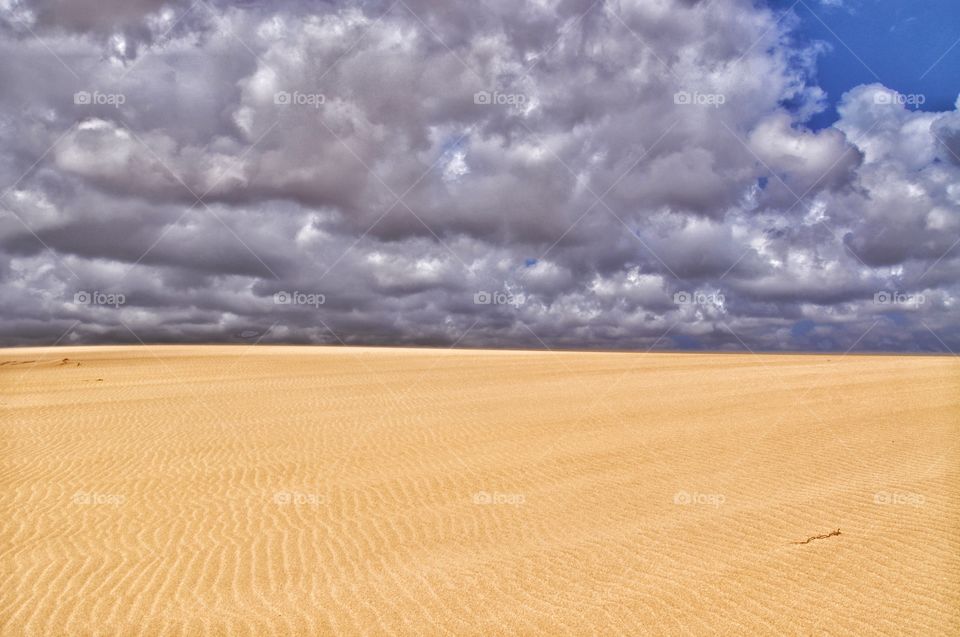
[(636, 174)]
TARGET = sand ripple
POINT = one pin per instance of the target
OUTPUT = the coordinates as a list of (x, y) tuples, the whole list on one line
[(317, 491)]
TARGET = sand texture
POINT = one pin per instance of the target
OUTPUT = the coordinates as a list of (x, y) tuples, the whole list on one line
[(177, 490)]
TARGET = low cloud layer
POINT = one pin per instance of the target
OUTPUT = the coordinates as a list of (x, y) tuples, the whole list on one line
[(561, 174)]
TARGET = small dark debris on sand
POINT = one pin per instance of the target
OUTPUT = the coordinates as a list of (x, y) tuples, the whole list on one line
[(818, 537)]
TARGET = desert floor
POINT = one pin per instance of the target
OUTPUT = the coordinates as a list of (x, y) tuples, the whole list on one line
[(178, 490)]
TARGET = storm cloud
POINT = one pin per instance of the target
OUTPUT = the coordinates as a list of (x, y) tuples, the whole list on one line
[(560, 173)]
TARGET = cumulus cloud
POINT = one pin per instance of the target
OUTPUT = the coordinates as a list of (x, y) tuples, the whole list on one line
[(626, 174)]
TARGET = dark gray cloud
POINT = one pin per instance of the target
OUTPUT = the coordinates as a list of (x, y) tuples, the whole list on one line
[(543, 174)]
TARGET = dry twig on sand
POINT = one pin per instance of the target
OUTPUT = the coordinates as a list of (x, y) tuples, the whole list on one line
[(818, 537)]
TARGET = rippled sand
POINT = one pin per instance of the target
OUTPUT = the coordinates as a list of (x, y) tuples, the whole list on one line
[(333, 491)]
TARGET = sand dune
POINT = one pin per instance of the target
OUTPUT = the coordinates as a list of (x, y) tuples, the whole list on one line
[(328, 491)]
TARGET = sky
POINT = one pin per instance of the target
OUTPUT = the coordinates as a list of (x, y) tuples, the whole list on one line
[(726, 175), (911, 47)]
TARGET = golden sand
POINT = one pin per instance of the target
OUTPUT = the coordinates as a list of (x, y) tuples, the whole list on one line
[(349, 491)]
